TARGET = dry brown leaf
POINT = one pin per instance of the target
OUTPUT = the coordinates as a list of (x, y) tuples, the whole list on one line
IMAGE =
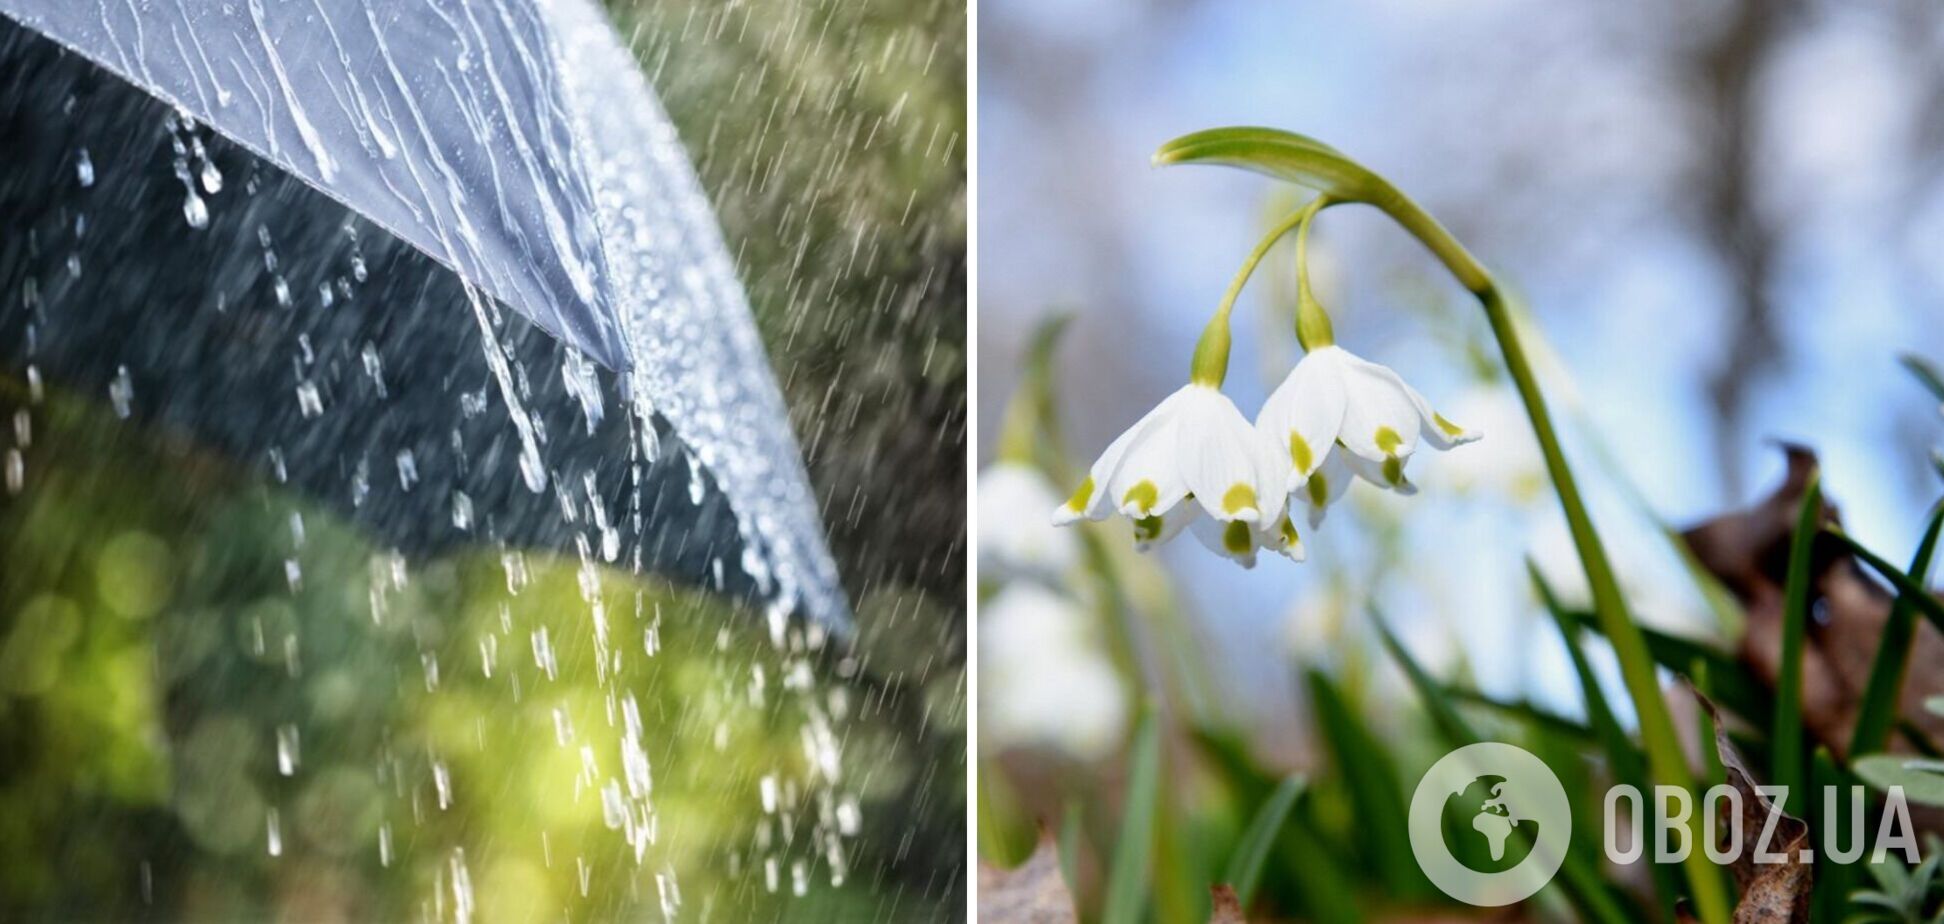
[(1748, 551), (1228, 908), (1031, 893), (1773, 893)]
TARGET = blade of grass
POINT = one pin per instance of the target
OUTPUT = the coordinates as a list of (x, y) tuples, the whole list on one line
[(1885, 686), (1539, 719), (1006, 837), (1628, 764), (1738, 691), (1587, 890), (1926, 374), (1252, 851), (1324, 886), (1127, 878), (1904, 584), (1371, 775), (1071, 832), (1785, 732)]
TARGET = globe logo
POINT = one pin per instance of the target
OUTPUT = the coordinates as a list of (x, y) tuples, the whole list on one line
[(1489, 824)]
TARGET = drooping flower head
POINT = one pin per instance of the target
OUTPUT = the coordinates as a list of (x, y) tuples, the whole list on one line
[(1337, 415), (1194, 453)]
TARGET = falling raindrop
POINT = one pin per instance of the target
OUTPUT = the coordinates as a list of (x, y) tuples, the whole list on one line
[(195, 211), (287, 756), (273, 825), (84, 168), (121, 392)]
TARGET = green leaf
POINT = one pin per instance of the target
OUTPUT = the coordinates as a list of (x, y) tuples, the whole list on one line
[(1926, 374), (1885, 686), (1252, 851), (1582, 885), (1785, 732), (1370, 773), (1920, 777), (1906, 586), (1453, 725), (1280, 154), (1629, 765), (1127, 879), (1071, 831), (1006, 836)]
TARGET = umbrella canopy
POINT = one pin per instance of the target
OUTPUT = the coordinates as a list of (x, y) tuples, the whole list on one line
[(501, 153)]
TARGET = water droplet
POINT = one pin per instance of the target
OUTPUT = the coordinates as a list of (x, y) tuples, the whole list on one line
[(84, 168), (385, 845), (16, 471), (442, 783), (274, 831), (212, 178), (309, 401), (408, 474), (195, 211), (287, 756), (121, 392)]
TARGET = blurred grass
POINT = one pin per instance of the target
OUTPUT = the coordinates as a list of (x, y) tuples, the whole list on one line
[(159, 656)]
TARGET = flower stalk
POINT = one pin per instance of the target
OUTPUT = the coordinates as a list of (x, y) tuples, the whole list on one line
[(1657, 733)]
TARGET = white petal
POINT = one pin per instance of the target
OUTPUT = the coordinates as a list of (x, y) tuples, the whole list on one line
[(1148, 480), (1091, 500), (1438, 432), (1380, 415), (1324, 487), (1285, 540), (1388, 474), (1303, 414), (1228, 466), (1235, 539), (1152, 531)]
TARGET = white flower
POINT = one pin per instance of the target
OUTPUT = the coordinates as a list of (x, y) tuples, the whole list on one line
[(1045, 682), (1336, 398), (1194, 444), (1014, 540)]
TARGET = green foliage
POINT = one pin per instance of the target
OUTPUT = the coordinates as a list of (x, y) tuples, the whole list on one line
[(1252, 850), (1785, 730), (1129, 877)]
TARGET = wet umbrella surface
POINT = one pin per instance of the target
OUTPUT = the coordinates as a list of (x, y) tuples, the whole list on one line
[(388, 435)]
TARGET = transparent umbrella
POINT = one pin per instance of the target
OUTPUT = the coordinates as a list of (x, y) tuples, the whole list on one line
[(455, 164)]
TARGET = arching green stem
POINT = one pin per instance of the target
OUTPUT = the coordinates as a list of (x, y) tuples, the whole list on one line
[(1665, 762), (1210, 365), (1313, 328)]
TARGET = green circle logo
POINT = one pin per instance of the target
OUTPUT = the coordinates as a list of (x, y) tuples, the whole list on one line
[(1489, 824)]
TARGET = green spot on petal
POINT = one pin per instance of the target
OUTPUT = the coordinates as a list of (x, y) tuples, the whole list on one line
[(1289, 536), (1319, 489), (1450, 429), (1394, 470), (1239, 498), (1299, 452), (1081, 497), (1236, 538), (1388, 441), (1143, 496), (1147, 529)]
